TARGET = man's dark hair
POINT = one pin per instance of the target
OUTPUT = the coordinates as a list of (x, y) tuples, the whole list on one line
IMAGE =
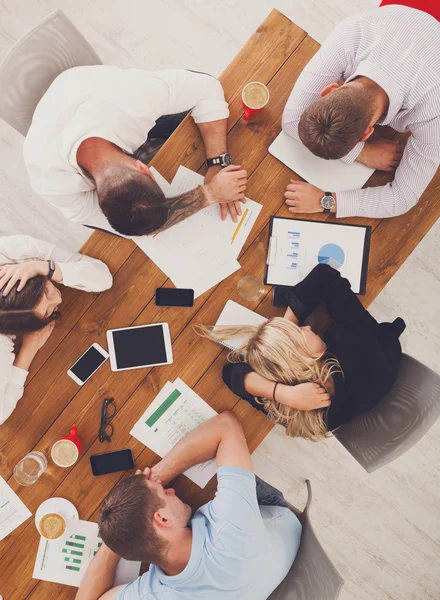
[(332, 125), (126, 521), (133, 203)]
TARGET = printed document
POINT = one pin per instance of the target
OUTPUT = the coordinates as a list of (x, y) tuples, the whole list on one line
[(66, 560), (201, 251), (12, 510), (175, 411)]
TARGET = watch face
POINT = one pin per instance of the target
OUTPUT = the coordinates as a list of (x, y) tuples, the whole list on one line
[(327, 202), (226, 159)]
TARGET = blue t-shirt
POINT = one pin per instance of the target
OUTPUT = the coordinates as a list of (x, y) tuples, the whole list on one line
[(240, 551)]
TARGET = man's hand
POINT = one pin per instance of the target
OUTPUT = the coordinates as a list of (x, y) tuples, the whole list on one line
[(149, 474), (227, 186), (234, 208), (302, 197), (304, 396), (384, 155)]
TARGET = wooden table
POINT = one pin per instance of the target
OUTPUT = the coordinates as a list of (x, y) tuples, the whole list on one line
[(52, 403)]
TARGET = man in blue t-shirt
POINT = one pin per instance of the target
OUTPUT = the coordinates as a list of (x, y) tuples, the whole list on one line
[(231, 548)]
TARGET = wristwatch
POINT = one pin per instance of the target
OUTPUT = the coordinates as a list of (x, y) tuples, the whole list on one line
[(327, 202), (51, 268), (219, 161)]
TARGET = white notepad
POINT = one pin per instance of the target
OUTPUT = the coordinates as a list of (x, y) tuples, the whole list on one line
[(332, 175), (236, 314)]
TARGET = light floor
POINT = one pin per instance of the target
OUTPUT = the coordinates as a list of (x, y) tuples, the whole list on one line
[(381, 530)]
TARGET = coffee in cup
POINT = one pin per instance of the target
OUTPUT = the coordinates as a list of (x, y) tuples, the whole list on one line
[(64, 453), (52, 526), (255, 96)]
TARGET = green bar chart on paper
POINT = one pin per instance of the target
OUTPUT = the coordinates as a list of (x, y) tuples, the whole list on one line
[(161, 410)]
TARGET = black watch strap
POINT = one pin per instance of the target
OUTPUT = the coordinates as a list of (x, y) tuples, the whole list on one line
[(214, 162), (219, 161), (51, 268)]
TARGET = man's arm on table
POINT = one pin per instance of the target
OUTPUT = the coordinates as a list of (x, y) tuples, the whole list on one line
[(221, 437), (418, 166)]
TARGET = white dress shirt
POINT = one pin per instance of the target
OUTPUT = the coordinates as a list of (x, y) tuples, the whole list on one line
[(118, 105), (79, 271), (398, 48)]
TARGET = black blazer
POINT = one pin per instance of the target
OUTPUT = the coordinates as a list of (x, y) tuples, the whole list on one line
[(368, 352)]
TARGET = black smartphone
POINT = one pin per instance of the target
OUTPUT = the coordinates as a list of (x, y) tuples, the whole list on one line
[(174, 297), (278, 299), (110, 462)]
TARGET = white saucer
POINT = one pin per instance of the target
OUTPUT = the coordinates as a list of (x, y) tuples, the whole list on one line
[(56, 505)]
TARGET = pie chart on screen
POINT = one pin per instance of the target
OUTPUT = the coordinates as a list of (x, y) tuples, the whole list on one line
[(331, 254)]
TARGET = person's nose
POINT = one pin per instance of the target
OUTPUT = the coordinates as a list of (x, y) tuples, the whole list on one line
[(170, 492)]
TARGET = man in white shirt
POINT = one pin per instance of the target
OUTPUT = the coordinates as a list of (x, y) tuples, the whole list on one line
[(390, 61), (231, 548), (90, 122)]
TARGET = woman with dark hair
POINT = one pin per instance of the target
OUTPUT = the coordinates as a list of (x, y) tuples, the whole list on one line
[(29, 303)]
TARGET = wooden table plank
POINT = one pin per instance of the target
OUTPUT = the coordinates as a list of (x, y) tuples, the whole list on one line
[(275, 54)]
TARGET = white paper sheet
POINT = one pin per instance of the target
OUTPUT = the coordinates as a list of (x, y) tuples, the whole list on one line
[(331, 175), (65, 561), (211, 230), (12, 510), (296, 246), (162, 183), (175, 411), (202, 250)]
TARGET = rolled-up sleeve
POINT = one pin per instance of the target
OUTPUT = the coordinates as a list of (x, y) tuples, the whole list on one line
[(200, 93)]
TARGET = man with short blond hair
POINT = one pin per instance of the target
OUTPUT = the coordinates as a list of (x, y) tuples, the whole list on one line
[(390, 62)]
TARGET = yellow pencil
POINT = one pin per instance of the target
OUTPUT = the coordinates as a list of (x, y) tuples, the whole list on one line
[(239, 225)]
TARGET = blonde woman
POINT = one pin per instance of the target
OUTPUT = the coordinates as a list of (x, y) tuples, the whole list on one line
[(309, 384)]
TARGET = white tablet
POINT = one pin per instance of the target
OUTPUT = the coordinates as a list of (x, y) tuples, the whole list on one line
[(139, 347)]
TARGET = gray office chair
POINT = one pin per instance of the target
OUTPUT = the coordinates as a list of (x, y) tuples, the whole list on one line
[(399, 421), (35, 61), (312, 575)]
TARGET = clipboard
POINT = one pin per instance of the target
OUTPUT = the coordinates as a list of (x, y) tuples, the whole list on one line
[(295, 246)]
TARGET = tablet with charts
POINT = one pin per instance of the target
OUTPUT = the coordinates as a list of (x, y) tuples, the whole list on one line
[(296, 246), (139, 347)]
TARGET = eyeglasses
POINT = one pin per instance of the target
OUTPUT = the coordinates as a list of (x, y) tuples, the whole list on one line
[(108, 411)]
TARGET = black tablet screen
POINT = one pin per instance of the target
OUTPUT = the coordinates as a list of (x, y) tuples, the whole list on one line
[(139, 346)]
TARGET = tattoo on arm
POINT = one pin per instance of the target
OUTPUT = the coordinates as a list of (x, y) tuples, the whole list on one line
[(183, 206)]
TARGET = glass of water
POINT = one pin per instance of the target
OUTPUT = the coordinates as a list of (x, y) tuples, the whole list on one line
[(251, 288), (30, 468)]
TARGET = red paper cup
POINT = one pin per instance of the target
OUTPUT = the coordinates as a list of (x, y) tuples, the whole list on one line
[(254, 97)]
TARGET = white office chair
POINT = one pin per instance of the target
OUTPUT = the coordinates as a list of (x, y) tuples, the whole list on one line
[(32, 64)]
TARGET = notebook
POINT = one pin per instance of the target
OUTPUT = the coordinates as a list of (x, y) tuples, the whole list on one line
[(333, 175), (236, 314)]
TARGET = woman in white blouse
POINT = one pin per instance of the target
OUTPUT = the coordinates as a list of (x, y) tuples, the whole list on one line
[(29, 303)]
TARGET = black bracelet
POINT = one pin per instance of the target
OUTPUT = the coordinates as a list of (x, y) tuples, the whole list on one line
[(273, 393)]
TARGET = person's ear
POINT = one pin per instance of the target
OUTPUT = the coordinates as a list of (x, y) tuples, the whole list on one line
[(329, 88), (144, 169), (369, 130), (160, 520)]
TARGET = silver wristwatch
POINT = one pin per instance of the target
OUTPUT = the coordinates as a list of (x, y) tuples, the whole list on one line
[(327, 202)]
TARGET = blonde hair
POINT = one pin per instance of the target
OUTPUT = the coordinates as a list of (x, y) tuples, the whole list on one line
[(277, 350)]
